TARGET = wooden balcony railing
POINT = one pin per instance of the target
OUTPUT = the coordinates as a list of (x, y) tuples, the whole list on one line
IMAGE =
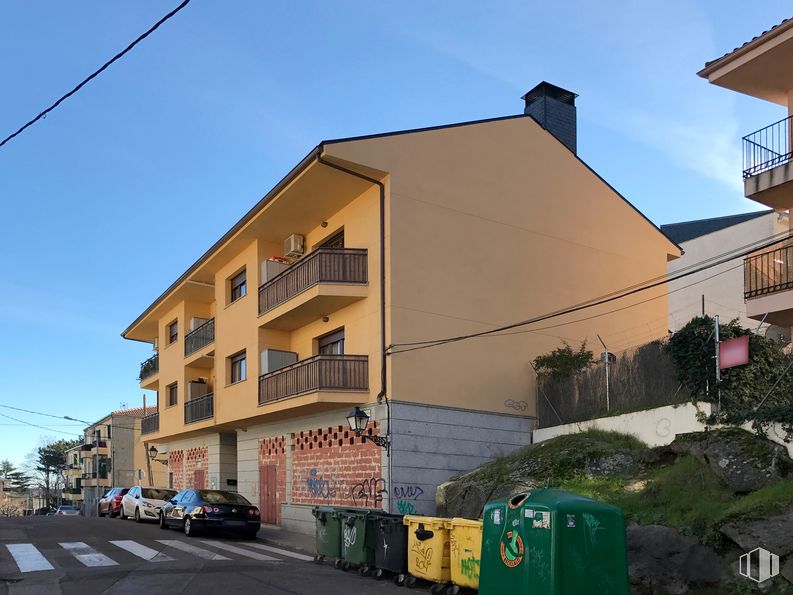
[(768, 272), (321, 372), (324, 265), (200, 408), (199, 337), (150, 367), (150, 424)]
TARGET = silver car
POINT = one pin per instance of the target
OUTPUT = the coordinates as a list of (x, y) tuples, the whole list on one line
[(67, 511), (143, 504)]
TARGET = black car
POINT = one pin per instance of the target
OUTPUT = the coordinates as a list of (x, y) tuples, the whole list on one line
[(194, 511)]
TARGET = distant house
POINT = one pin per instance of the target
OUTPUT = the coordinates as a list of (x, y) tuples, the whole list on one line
[(722, 287)]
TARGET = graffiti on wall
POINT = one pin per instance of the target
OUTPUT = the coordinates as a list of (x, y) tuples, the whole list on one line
[(369, 492), (405, 495), (319, 486)]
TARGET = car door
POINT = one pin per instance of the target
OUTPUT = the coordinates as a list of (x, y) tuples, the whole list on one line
[(129, 501), (104, 503)]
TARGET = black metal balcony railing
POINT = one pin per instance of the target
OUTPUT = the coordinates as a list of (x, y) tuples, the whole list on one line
[(768, 272), (150, 367), (321, 372), (74, 490), (199, 337), (99, 444), (150, 423), (324, 265), (767, 148), (200, 408)]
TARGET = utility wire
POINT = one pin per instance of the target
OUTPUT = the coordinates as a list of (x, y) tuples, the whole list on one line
[(40, 427), (62, 417), (610, 297), (95, 73)]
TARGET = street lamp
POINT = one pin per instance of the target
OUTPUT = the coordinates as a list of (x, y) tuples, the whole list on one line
[(359, 421), (153, 452)]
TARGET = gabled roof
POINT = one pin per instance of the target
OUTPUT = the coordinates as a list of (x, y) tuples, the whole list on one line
[(776, 29), (689, 230), (136, 411)]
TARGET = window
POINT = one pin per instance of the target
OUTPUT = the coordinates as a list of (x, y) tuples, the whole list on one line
[(334, 241), (172, 394), (108, 430), (173, 332), (238, 367), (239, 286), (332, 343)]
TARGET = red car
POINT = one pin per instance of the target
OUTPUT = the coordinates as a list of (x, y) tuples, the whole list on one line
[(110, 503)]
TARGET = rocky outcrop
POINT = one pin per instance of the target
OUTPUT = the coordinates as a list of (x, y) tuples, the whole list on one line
[(743, 461), (660, 558), (774, 533)]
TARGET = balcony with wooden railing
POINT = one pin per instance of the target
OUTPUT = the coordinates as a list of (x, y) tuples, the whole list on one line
[(321, 282), (199, 409), (150, 424), (337, 373)]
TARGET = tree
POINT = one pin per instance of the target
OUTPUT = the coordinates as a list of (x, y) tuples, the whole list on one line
[(563, 362), (15, 479), (49, 461)]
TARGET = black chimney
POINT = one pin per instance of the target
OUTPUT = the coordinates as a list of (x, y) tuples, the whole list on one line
[(554, 108)]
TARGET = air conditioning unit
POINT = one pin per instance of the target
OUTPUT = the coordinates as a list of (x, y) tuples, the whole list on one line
[(274, 359), (295, 246)]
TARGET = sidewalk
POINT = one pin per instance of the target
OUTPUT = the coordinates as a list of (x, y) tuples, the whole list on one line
[(288, 540)]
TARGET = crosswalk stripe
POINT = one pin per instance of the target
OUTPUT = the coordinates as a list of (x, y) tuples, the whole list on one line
[(27, 557), (86, 554), (238, 550), (277, 550), (191, 549), (141, 551)]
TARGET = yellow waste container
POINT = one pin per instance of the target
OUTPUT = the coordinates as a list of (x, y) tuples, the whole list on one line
[(465, 539), (428, 550)]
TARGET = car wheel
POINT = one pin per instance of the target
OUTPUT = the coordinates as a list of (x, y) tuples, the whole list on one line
[(121, 513), (137, 514), (163, 524), (99, 511), (189, 528)]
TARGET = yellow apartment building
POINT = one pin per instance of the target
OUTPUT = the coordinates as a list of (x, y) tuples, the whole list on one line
[(761, 68), (314, 302), (113, 454), (73, 487)]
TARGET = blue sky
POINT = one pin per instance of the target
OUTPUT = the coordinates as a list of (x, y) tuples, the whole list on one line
[(111, 197)]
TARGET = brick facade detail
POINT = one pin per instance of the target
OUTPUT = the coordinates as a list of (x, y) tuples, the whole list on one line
[(183, 464), (332, 466)]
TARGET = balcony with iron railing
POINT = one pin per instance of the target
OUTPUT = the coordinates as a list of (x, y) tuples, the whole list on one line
[(337, 373), (199, 409), (321, 282), (200, 337), (767, 167), (150, 367), (150, 424), (768, 286)]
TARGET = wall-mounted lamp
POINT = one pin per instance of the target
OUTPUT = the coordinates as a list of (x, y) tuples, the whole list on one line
[(325, 319), (324, 224), (153, 452), (358, 421)]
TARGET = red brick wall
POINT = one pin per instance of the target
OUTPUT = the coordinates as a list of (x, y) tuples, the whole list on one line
[(272, 451), (332, 466), (184, 463)]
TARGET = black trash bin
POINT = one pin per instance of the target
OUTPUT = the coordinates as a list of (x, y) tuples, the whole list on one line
[(391, 548)]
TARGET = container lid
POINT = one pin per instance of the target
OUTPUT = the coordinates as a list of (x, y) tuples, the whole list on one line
[(426, 520), (461, 522)]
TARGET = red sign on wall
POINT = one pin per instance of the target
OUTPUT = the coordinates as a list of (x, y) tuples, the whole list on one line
[(734, 352)]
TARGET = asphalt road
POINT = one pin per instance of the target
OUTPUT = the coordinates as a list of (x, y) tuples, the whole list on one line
[(74, 555)]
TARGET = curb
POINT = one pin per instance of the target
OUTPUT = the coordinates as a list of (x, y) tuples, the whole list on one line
[(287, 545)]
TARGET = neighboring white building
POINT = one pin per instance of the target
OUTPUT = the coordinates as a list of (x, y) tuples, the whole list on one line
[(722, 286)]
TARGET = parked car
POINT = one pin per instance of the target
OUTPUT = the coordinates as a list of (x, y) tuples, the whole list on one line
[(67, 511), (194, 511), (143, 504), (110, 503)]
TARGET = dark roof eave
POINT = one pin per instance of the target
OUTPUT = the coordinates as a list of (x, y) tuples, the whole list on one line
[(286, 180)]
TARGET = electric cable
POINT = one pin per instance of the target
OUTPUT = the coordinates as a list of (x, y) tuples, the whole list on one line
[(96, 73)]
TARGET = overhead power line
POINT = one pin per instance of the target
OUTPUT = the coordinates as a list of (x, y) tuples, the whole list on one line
[(692, 269), (96, 73), (66, 417), (79, 435)]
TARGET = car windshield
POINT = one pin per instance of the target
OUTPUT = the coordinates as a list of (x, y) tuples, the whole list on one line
[(217, 497), (157, 494), (67, 508)]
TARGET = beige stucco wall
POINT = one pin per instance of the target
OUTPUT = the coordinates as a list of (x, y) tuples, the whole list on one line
[(492, 224), (722, 285)]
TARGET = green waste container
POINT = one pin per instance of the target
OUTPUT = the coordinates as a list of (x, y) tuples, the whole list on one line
[(553, 542), (328, 532), (357, 539)]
